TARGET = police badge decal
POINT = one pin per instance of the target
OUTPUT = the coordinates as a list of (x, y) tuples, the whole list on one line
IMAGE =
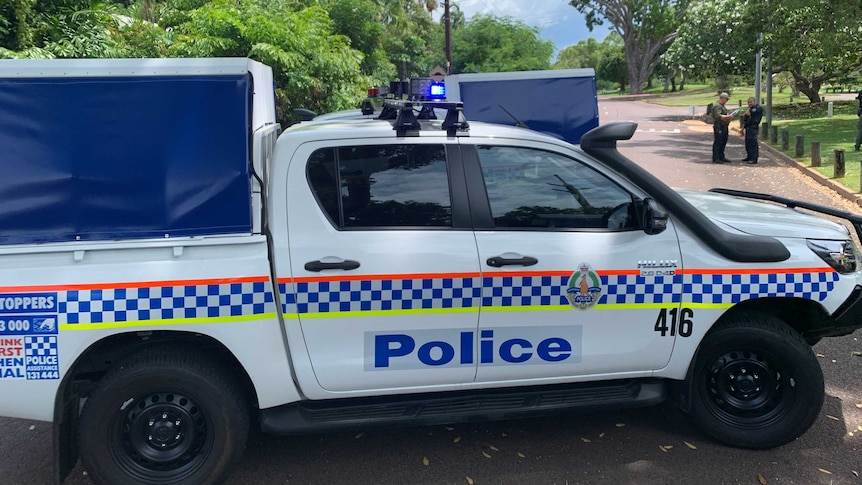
[(585, 287)]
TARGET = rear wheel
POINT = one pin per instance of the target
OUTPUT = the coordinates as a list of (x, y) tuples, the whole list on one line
[(756, 383), (163, 416)]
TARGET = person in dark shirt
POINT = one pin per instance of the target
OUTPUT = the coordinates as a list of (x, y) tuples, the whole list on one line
[(750, 127), (859, 123)]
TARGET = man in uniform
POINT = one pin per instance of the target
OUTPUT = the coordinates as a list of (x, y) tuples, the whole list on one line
[(859, 123), (750, 127), (720, 121)]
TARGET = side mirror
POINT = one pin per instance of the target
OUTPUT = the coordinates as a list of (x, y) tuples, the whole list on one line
[(653, 218)]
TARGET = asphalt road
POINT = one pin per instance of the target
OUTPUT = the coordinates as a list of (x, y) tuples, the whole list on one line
[(642, 446)]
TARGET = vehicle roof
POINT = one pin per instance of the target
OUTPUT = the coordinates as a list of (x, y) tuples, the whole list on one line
[(374, 128)]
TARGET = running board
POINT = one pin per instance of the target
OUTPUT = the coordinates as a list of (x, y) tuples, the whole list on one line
[(460, 406)]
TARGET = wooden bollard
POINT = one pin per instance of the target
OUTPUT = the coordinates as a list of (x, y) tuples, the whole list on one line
[(839, 164), (800, 145), (785, 140), (815, 153), (764, 131), (773, 135)]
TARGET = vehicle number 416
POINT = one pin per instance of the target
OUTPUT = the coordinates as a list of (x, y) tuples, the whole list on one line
[(675, 322)]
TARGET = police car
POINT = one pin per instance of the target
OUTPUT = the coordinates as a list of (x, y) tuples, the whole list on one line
[(422, 271)]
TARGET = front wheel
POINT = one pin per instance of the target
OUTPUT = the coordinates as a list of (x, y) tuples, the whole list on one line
[(756, 384), (163, 416)]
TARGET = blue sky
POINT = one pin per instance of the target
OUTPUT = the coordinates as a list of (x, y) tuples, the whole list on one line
[(556, 20)]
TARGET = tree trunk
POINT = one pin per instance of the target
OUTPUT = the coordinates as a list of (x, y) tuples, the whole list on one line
[(810, 87)]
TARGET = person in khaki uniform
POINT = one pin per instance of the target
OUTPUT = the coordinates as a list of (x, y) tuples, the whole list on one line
[(720, 128)]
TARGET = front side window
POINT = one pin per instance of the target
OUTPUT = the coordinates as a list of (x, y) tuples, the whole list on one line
[(382, 185), (529, 188)]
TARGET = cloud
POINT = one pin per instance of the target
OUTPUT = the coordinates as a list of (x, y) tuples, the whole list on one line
[(540, 13)]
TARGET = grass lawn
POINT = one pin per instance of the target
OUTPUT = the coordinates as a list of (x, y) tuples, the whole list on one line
[(834, 133)]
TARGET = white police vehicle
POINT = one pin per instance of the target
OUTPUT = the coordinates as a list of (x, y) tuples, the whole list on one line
[(425, 271)]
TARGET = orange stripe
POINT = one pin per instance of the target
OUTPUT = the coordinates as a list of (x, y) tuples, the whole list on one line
[(756, 271), (378, 277), (135, 284), (424, 276)]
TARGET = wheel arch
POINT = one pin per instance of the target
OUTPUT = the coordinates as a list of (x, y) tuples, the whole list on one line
[(106, 353), (799, 314)]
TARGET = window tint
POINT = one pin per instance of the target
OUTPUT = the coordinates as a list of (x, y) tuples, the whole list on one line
[(382, 185), (530, 188)]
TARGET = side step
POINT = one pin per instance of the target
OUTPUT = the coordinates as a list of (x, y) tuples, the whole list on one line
[(459, 406)]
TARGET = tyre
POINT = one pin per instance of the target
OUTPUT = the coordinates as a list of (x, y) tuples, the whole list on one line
[(756, 383), (163, 416)]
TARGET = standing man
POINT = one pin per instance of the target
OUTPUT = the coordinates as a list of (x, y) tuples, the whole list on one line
[(750, 127), (859, 123), (720, 122)]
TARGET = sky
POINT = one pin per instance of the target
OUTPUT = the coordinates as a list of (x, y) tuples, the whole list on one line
[(556, 20)]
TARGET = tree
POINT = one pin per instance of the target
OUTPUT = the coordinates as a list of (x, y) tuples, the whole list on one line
[(647, 28), (314, 68), (490, 44), (809, 39), (607, 58), (586, 53)]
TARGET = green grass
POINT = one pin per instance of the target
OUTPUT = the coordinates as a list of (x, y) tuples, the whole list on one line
[(834, 133)]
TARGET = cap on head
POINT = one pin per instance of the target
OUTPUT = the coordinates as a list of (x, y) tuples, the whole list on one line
[(724, 95)]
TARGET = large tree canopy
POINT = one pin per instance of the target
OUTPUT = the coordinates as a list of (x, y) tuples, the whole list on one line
[(647, 28), (489, 44), (810, 39)]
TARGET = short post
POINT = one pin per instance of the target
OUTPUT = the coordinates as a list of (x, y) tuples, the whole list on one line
[(773, 135), (785, 140), (815, 153), (800, 145), (764, 132), (829, 110), (839, 164)]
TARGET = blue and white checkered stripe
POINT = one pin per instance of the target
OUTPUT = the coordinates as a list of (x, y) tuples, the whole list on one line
[(538, 291), (396, 294), (733, 288), (40, 346), (254, 298), (507, 291), (164, 302)]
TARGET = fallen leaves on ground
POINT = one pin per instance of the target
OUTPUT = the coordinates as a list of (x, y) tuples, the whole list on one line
[(521, 455), (457, 439), (485, 454), (761, 479), (425, 461), (469, 481), (825, 471), (690, 445), (621, 425), (360, 435)]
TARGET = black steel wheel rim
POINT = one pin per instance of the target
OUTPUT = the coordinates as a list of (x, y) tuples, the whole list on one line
[(747, 389), (161, 437)]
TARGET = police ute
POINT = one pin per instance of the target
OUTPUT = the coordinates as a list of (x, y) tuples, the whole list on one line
[(175, 269)]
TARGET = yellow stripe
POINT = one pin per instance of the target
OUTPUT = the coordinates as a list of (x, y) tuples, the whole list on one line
[(513, 309), (708, 306), (389, 313), (168, 321)]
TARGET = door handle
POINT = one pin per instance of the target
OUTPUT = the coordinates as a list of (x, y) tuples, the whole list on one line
[(499, 261), (318, 266)]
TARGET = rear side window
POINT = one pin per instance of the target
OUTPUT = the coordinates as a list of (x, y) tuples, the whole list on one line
[(377, 186)]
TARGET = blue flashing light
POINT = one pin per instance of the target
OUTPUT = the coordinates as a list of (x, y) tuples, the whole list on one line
[(437, 91)]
